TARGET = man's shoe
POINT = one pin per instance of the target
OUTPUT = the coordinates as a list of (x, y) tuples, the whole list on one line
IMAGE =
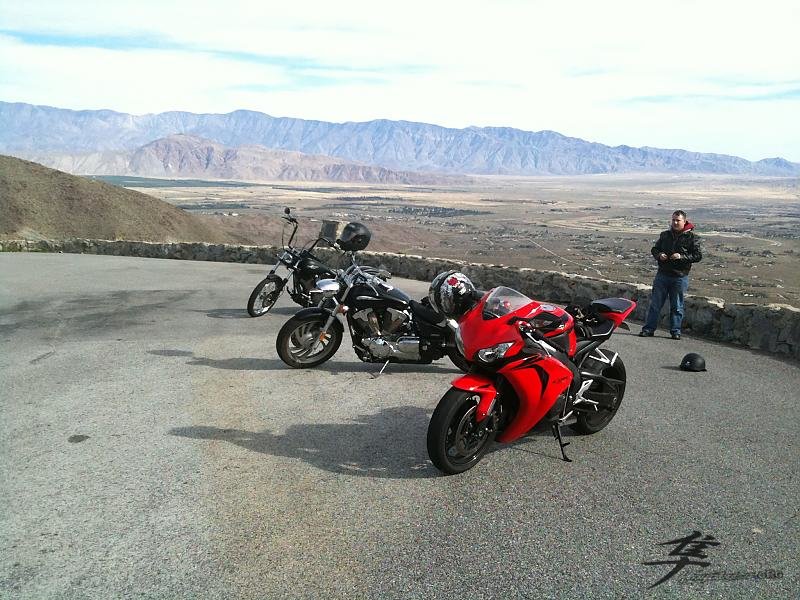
[(675, 335), (645, 333)]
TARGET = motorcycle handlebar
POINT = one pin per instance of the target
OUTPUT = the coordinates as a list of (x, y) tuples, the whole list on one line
[(378, 276), (328, 241)]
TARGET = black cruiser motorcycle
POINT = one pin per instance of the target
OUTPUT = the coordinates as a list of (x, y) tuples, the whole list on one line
[(303, 267), (385, 324)]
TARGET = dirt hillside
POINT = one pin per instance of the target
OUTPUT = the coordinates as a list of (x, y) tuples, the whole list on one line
[(41, 203)]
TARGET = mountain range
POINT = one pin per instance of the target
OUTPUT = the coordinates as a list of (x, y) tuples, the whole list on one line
[(27, 130), (182, 155)]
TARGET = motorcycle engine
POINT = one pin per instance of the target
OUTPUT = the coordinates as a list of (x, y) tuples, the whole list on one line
[(384, 334)]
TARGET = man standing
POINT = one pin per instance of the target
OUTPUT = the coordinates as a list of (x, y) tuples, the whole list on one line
[(676, 249)]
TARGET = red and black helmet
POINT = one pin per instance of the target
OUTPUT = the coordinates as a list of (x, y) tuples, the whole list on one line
[(451, 293)]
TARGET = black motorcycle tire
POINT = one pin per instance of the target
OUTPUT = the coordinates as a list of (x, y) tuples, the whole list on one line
[(296, 338), (594, 421), (258, 305), (456, 443)]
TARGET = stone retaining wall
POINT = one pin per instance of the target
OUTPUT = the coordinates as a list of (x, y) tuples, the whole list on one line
[(773, 328)]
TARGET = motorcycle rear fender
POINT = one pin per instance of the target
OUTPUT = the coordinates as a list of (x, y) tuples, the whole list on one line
[(538, 383), (483, 387)]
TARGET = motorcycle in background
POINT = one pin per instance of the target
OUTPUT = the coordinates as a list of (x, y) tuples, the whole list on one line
[(303, 267), (532, 362)]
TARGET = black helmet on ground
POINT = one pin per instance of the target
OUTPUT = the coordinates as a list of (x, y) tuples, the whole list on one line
[(693, 362), (354, 237)]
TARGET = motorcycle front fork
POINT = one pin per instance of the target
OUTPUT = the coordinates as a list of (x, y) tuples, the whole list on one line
[(340, 309)]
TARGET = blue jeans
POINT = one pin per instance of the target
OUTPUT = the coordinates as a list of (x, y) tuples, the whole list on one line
[(666, 286)]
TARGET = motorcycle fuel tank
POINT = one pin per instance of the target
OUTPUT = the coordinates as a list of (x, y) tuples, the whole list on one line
[(312, 266), (363, 296)]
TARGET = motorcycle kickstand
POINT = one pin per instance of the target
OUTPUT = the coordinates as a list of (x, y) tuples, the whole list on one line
[(381, 371), (561, 444)]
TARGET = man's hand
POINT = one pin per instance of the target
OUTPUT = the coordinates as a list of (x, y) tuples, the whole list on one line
[(662, 257), (675, 256)]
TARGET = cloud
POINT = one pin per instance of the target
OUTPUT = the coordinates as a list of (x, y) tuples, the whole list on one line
[(793, 94), (627, 72)]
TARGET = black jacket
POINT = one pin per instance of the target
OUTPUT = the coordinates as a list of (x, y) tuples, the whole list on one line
[(686, 243)]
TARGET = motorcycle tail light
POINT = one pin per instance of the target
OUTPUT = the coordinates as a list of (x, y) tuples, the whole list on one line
[(494, 353)]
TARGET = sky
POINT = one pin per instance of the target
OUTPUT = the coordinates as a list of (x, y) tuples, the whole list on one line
[(707, 76)]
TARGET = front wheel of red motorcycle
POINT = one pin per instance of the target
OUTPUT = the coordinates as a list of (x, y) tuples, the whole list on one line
[(456, 441)]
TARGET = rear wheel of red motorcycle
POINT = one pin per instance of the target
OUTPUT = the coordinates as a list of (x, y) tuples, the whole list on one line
[(456, 441), (610, 391)]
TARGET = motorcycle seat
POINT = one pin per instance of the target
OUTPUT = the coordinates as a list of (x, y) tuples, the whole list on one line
[(612, 305), (598, 329), (602, 329)]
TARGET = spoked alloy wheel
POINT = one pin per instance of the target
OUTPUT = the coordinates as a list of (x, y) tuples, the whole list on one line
[(298, 336), (608, 391), (264, 295), (456, 441)]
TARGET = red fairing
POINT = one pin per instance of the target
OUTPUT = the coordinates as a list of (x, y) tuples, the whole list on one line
[(538, 382), (476, 335)]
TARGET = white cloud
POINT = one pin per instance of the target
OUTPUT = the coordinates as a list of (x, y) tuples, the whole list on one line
[(572, 67)]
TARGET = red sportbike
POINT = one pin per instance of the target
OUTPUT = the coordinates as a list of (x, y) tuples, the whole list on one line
[(531, 362)]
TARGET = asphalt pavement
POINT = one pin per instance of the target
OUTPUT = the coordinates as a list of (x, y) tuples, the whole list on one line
[(152, 444)]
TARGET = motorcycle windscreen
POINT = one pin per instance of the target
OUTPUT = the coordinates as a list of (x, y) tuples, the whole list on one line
[(502, 301), (538, 382)]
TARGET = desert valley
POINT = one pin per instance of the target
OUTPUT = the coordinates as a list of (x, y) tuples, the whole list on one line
[(598, 225)]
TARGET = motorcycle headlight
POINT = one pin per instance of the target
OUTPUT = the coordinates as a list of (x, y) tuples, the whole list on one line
[(328, 287), (494, 353)]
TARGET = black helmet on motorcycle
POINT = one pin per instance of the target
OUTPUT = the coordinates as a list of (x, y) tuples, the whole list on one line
[(451, 293), (693, 362), (354, 236)]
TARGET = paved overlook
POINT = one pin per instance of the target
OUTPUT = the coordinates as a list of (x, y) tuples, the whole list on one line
[(153, 445)]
